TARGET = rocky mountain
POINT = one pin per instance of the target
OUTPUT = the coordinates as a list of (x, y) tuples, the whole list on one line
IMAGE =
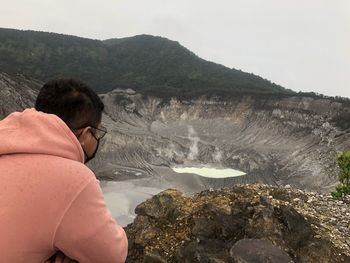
[(241, 224)]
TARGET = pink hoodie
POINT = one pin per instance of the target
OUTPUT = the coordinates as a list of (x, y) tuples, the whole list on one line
[(49, 200)]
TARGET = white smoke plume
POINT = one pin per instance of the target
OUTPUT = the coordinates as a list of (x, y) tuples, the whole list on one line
[(193, 137), (217, 155)]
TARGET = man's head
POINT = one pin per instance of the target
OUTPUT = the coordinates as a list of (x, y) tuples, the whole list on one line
[(78, 106), (71, 100)]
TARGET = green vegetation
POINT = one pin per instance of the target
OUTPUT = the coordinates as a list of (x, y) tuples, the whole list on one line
[(150, 65), (147, 64), (343, 188)]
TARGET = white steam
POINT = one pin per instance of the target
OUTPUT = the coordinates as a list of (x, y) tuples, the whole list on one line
[(193, 137)]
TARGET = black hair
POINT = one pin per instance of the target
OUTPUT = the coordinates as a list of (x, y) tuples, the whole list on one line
[(71, 100)]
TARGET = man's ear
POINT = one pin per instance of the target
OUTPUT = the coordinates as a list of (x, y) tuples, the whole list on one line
[(82, 134)]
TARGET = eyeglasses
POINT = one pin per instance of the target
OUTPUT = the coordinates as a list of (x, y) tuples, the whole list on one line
[(102, 132)]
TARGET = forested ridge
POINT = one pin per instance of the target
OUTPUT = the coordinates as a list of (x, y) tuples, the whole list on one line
[(150, 65)]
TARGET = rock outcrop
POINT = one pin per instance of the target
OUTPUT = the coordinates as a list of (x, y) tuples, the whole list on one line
[(276, 141), (17, 93), (246, 223)]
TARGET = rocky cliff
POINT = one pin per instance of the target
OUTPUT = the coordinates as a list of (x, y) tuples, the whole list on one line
[(243, 224), (16, 93), (276, 141)]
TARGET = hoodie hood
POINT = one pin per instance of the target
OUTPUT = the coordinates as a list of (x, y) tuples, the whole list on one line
[(36, 132)]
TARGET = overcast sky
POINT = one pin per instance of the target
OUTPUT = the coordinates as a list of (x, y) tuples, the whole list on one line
[(299, 44)]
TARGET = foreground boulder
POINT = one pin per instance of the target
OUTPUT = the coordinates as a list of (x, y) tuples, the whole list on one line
[(251, 223), (258, 251)]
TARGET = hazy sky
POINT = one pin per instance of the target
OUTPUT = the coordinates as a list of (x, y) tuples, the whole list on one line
[(299, 44)]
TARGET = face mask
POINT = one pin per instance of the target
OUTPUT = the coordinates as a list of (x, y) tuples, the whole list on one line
[(89, 158)]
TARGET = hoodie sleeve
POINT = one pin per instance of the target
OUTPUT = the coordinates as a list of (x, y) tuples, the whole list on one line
[(88, 233)]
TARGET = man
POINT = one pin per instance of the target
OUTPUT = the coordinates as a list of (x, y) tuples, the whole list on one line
[(50, 202)]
